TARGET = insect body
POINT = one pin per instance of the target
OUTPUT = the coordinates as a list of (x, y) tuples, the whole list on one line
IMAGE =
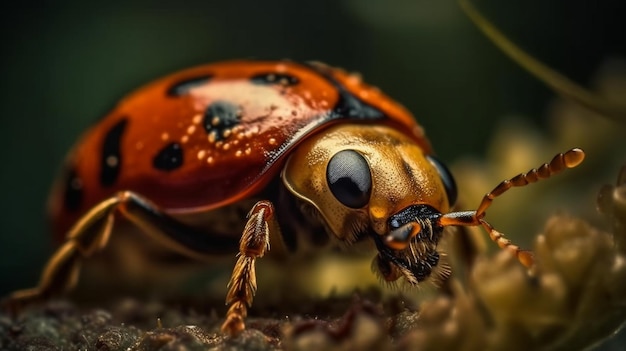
[(309, 149)]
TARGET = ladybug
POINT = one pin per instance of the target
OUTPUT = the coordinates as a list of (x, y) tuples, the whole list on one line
[(307, 150)]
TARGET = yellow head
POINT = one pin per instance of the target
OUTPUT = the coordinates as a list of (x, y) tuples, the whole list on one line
[(372, 180)]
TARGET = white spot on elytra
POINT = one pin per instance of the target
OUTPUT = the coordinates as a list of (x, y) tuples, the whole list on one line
[(197, 118), (238, 153), (191, 129), (184, 139), (252, 132), (112, 161), (165, 136), (272, 141), (212, 136), (201, 154), (209, 160)]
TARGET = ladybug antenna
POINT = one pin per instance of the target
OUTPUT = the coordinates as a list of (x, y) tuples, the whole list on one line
[(553, 79), (568, 159)]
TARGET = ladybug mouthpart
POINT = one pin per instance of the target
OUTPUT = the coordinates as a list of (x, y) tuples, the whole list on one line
[(399, 238), (409, 249), (411, 223)]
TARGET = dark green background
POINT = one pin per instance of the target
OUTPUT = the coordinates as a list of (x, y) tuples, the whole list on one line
[(64, 63)]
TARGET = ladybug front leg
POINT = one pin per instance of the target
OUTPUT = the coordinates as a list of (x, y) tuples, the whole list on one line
[(254, 242), (91, 235)]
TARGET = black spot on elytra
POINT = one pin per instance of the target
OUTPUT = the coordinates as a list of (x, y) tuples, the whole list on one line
[(220, 116), (182, 87), (274, 78), (111, 158), (73, 196), (348, 105), (169, 158)]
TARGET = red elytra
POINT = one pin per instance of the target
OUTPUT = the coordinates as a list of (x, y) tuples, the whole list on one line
[(278, 105)]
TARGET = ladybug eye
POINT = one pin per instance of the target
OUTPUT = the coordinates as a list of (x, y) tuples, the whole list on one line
[(349, 179), (446, 178)]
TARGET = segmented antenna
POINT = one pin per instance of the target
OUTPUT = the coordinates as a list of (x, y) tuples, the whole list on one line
[(560, 162)]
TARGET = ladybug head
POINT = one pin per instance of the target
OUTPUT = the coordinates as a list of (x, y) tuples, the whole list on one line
[(372, 180)]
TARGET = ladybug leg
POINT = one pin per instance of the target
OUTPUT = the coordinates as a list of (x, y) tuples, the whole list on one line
[(60, 274), (253, 244), (91, 235)]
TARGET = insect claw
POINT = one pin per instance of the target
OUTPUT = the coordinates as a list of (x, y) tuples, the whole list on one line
[(234, 324)]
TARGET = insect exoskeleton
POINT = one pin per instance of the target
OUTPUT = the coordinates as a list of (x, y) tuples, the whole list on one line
[(301, 146)]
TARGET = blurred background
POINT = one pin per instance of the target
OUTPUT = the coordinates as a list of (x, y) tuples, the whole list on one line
[(64, 63)]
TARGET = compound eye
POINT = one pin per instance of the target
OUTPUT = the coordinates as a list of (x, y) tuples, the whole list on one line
[(446, 178), (349, 178)]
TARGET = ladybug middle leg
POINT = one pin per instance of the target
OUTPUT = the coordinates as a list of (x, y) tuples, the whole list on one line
[(92, 232)]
